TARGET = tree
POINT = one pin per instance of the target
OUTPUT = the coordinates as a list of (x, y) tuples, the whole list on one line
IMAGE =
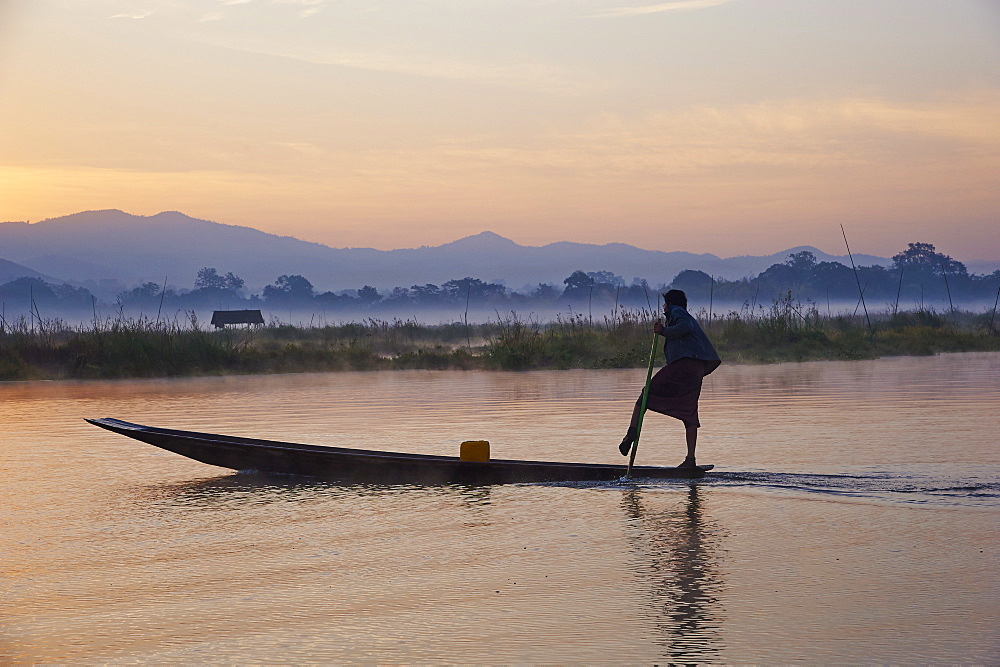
[(425, 293), (289, 288), (924, 257), (369, 295), (606, 278), (208, 277), (472, 288), (545, 292), (578, 282), (691, 280), (68, 294), (146, 294), (234, 282), (22, 290), (834, 279), (802, 263), (780, 275), (143, 292), (332, 300), (697, 285), (399, 294)]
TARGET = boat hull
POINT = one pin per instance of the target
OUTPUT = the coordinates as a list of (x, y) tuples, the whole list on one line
[(359, 466)]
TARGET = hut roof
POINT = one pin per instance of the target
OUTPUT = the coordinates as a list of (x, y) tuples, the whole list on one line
[(221, 318)]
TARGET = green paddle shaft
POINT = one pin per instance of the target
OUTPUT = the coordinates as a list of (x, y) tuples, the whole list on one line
[(642, 408)]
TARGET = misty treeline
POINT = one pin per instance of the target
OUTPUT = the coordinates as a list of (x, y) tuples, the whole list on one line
[(919, 276)]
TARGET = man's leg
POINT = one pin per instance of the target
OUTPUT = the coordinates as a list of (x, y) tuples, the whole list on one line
[(691, 433), (626, 444)]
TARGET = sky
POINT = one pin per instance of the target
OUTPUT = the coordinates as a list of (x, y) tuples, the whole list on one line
[(719, 126)]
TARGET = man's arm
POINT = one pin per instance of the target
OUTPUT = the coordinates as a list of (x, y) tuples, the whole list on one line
[(679, 324)]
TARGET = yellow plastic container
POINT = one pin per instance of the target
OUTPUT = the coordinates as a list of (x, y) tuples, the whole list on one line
[(475, 450)]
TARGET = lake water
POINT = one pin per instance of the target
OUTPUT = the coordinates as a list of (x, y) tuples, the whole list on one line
[(853, 517)]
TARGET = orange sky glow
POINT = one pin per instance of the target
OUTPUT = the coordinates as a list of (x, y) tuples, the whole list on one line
[(722, 126)]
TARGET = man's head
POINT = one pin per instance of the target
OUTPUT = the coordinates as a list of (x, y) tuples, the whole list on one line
[(675, 297)]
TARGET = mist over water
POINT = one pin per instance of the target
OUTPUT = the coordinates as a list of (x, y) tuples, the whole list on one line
[(598, 313), (851, 518)]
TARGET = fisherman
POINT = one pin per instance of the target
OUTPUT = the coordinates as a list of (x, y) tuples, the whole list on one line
[(675, 388)]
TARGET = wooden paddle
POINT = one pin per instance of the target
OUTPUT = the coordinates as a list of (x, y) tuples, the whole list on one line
[(642, 408)]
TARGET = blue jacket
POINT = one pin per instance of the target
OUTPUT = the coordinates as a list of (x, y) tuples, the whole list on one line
[(686, 339)]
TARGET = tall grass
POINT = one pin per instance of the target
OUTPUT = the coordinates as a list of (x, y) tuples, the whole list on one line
[(786, 330), (789, 330), (619, 341)]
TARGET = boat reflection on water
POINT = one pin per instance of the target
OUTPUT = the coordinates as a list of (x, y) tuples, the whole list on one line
[(410, 539), (679, 551), (262, 488)]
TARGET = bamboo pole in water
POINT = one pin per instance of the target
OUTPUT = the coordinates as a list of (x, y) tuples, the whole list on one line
[(642, 409), (711, 296), (944, 273), (899, 289), (997, 301), (162, 293), (861, 290), (468, 334)]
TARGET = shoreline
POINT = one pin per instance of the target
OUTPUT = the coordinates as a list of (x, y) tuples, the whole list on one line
[(144, 350), (233, 375)]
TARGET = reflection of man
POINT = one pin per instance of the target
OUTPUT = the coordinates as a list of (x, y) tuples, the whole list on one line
[(684, 582), (675, 389)]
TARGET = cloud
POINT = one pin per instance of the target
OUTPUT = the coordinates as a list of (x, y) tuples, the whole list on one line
[(797, 140), (309, 7), (528, 76), (132, 15), (301, 147), (536, 77), (679, 6), (798, 133)]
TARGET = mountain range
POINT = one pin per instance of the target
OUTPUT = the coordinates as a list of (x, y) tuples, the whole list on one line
[(113, 245)]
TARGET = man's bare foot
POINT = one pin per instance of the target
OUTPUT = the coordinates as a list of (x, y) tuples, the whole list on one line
[(626, 447), (688, 463)]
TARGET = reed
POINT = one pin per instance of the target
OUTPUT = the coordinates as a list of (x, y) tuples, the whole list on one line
[(785, 330)]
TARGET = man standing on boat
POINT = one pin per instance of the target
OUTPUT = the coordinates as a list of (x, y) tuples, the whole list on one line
[(675, 389)]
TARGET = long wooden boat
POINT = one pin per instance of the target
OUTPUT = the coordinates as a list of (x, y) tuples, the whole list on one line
[(361, 466)]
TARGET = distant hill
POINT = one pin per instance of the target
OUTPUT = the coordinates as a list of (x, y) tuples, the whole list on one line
[(133, 249), (11, 271)]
